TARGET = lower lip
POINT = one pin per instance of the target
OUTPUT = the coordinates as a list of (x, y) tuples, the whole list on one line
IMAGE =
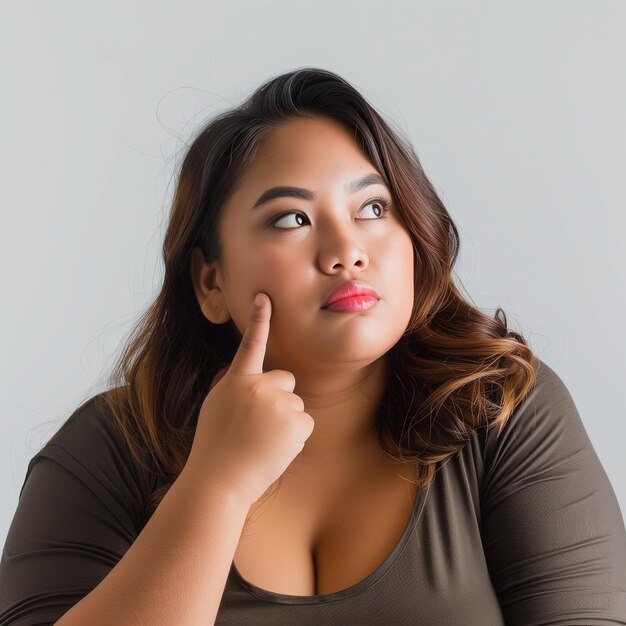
[(352, 305)]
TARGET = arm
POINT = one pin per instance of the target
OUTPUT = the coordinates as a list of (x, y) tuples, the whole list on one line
[(76, 540), (176, 570), (553, 534)]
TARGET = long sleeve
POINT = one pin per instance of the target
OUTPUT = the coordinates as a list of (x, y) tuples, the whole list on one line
[(553, 533), (78, 512)]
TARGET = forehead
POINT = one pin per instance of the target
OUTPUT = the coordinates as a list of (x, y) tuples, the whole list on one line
[(302, 134), (317, 153)]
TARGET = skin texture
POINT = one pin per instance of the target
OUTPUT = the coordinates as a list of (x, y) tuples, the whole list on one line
[(338, 359)]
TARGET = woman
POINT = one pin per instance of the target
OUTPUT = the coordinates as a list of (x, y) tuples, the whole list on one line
[(362, 447)]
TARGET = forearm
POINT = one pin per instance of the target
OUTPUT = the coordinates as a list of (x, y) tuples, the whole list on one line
[(175, 572)]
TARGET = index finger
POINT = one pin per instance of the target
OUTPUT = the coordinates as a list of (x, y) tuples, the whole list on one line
[(251, 352)]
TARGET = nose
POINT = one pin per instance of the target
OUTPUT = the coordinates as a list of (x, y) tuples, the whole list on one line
[(341, 250)]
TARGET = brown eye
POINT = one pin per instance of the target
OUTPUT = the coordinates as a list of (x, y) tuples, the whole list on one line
[(383, 205), (383, 202), (277, 219)]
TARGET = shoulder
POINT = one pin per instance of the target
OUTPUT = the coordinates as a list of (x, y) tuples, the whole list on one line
[(551, 525), (90, 428), (544, 431), (548, 405), (91, 419), (90, 432), (90, 445)]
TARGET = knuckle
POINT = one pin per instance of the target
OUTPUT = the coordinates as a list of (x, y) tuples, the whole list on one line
[(255, 389), (289, 376), (256, 316), (249, 342)]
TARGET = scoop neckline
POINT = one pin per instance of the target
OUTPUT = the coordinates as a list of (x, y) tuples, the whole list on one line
[(355, 589)]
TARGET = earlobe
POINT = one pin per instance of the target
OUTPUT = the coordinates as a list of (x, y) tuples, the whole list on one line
[(215, 311)]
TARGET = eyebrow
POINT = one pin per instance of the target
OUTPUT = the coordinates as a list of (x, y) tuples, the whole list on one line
[(306, 194)]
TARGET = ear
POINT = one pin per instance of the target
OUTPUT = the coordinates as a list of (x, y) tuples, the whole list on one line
[(206, 284)]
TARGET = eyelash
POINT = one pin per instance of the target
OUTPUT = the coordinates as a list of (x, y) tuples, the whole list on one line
[(384, 202)]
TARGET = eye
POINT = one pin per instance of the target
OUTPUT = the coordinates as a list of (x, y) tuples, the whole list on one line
[(381, 212), (383, 205)]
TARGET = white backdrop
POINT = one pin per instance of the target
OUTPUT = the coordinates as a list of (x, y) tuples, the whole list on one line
[(516, 111)]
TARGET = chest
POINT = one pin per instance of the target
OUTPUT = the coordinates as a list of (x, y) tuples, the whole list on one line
[(318, 534)]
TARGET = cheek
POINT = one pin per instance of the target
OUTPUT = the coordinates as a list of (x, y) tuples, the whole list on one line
[(398, 269), (271, 271), (399, 251)]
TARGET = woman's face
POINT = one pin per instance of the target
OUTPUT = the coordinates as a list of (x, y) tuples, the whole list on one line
[(297, 260)]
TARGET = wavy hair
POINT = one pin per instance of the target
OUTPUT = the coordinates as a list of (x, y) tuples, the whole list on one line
[(455, 369)]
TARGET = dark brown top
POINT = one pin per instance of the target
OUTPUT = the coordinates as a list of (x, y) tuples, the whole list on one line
[(524, 529)]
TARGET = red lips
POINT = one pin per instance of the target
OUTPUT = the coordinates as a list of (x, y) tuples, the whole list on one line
[(349, 289)]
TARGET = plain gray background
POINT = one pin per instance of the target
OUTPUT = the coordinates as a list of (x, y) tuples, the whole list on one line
[(516, 111)]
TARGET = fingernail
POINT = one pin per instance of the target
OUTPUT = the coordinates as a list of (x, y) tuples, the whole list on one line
[(260, 299)]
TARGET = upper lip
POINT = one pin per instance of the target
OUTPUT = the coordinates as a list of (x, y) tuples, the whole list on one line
[(350, 289)]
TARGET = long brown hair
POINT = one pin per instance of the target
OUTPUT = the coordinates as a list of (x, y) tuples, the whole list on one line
[(455, 368)]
